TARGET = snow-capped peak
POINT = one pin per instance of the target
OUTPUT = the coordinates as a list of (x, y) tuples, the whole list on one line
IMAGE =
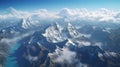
[(53, 33), (58, 27), (72, 31), (29, 23)]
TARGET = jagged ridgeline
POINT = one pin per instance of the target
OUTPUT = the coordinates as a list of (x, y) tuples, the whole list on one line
[(59, 45), (31, 40)]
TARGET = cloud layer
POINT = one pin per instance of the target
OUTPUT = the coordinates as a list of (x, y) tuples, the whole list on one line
[(12, 41), (63, 55), (65, 14)]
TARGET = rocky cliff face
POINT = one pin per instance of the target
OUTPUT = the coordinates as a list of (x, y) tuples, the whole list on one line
[(37, 50), (55, 45)]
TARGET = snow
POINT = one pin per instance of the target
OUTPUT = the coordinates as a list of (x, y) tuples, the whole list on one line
[(53, 34), (100, 55), (110, 54), (72, 31), (70, 42)]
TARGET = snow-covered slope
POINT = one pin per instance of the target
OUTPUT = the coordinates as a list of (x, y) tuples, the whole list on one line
[(54, 33)]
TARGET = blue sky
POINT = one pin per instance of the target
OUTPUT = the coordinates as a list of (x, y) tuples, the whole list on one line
[(58, 4)]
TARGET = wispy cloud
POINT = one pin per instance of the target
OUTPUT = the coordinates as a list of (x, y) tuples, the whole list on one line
[(85, 43), (63, 56), (67, 15), (81, 65), (99, 44), (14, 40), (36, 17)]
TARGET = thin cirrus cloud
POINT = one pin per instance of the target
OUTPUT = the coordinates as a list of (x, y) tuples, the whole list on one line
[(66, 14)]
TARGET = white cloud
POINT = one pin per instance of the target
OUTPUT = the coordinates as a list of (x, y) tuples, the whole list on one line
[(87, 15), (18, 13), (11, 41), (5, 16), (64, 55), (99, 44), (85, 35), (32, 58), (36, 17), (85, 43), (81, 65)]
